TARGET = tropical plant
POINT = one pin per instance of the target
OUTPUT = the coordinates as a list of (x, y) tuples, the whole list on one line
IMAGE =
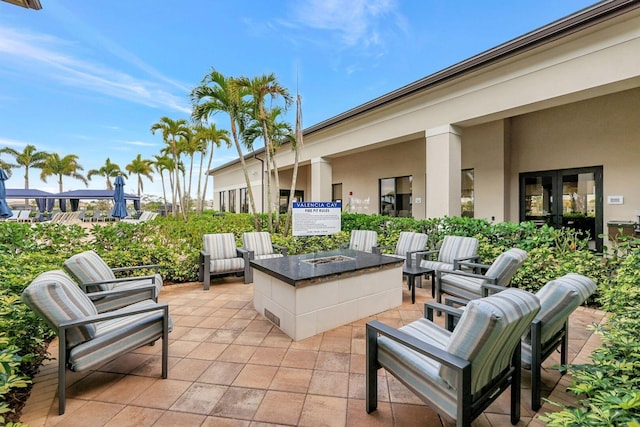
[(218, 93), (28, 158), (57, 166), (161, 164), (171, 131), (257, 90), (214, 137), (141, 167), (108, 170), (297, 143)]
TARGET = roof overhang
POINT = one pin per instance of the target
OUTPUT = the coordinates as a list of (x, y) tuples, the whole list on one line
[(29, 4)]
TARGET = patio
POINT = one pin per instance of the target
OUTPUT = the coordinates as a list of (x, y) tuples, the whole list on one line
[(230, 367)]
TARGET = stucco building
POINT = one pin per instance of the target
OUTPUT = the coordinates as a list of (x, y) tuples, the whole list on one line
[(545, 127)]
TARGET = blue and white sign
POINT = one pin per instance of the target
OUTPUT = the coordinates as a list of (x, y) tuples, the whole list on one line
[(316, 218)]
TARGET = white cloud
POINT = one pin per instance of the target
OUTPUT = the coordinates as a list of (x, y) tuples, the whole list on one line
[(356, 23), (141, 143), (5, 142), (18, 47)]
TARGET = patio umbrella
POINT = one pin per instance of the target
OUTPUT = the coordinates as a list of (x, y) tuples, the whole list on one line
[(5, 212), (119, 208)]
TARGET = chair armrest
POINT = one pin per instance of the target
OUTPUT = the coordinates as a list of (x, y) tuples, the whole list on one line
[(155, 268), (490, 279), (423, 254), (451, 300), (455, 362), (409, 256), (378, 249), (281, 249), (144, 292), (122, 279), (464, 261), (489, 289), (473, 265), (447, 309), (113, 315), (244, 253)]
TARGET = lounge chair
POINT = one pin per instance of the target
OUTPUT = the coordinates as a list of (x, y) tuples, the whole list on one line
[(459, 373), (409, 244), (221, 257), (468, 285), (94, 275), (89, 337), (452, 251), (260, 245), (363, 240)]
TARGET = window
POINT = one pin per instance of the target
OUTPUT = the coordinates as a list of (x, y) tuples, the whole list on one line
[(284, 199), (244, 202), (232, 200), (396, 196), (336, 193), (222, 204), (467, 199)]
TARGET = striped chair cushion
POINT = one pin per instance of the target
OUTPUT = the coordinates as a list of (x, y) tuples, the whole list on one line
[(457, 247), (267, 256), (488, 332), (220, 246), (409, 241), (114, 337), (56, 299), (464, 287), (422, 373), (558, 299), (436, 265), (89, 267), (506, 265), (227, 265), (363, 240), (258, 242)]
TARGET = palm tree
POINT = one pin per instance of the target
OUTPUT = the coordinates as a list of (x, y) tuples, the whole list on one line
[(190, 145), (171, 130), (140, 167), (161, 164), (296, 146), (7, 167), (215, 137), (28, 158), (57, 166), (218, 93), (258, 88), (109, 170)]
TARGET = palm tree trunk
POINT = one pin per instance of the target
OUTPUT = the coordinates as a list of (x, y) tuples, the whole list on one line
[(164, 193), (234, 133), (206, 178), (200, 206), (267, 150)]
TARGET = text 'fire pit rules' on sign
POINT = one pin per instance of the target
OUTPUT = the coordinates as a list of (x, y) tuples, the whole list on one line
[(316, 218)]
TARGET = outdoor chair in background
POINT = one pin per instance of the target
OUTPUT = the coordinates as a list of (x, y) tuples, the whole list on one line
[(409, 243), (457, 373), (468, 285), (363, 240), (452, 251), (260, 245), (94, 275), (549, 330), (221, 257), (25, 216), (89, 337)]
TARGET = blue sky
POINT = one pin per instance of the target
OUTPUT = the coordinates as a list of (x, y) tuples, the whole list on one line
[(91, 77)]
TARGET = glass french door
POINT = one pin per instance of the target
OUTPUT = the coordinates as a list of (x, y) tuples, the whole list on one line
[(564, 198)]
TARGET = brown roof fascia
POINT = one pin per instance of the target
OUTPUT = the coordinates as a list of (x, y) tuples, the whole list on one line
[(563, 27)]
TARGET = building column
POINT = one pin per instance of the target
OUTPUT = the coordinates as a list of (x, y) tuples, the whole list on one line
[(321, 180), (444, 165)]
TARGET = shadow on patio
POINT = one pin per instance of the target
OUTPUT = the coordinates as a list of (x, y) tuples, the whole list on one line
[(230, 367)]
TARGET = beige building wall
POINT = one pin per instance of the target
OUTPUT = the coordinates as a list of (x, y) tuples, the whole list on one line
[(601, 131)]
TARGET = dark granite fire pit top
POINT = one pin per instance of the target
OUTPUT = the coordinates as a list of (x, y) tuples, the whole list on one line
[(297, 270)]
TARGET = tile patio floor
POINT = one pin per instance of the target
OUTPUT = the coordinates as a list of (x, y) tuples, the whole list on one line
[(228, 366)]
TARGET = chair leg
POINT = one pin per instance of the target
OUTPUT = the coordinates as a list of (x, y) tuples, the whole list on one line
[(515, 385), (371, 371), (62, 371), (165, 343), (536, 366)]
